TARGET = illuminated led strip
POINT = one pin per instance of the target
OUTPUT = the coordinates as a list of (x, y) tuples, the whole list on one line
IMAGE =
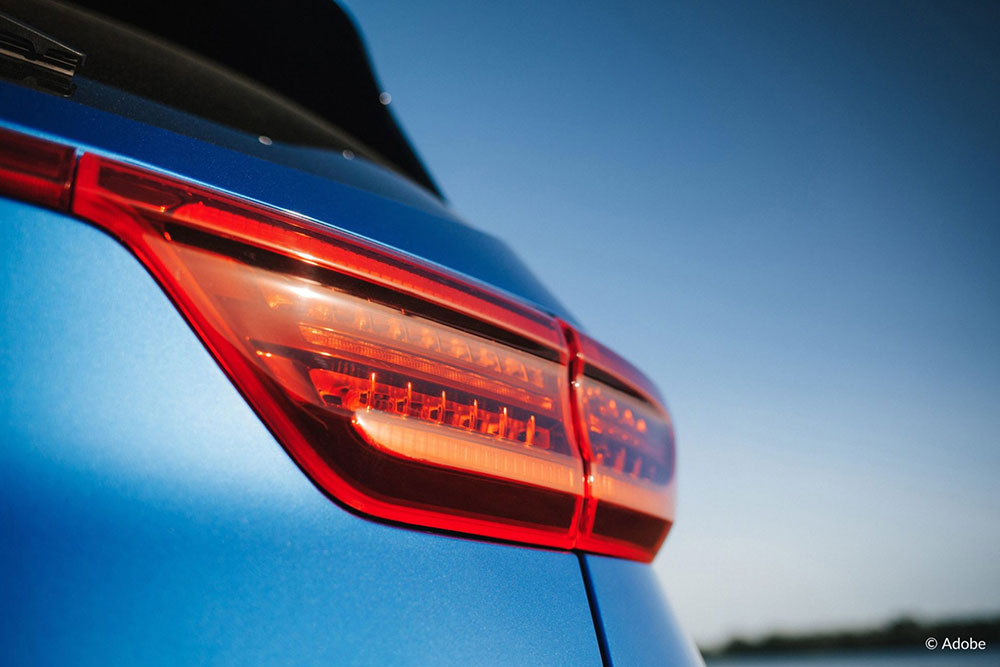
[(334, 320), (444, 446), (341, 343), (395, 327)]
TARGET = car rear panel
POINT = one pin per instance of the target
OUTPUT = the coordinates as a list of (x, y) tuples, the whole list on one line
[(151, 516), (635, 618)]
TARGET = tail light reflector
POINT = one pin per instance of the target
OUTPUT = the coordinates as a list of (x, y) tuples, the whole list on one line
[(404, 391)]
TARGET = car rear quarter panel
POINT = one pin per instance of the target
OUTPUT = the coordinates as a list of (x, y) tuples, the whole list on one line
[(149, 517)]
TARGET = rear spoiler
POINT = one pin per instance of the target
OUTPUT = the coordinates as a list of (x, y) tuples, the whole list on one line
[(308, 51)]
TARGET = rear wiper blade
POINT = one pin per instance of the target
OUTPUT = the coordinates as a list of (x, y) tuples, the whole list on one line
[(34, 58)]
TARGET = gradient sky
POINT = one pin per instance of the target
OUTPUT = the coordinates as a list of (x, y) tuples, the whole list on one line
[(788, 214)]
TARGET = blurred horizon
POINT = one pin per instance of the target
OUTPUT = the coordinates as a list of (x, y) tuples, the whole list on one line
[(788, 215)]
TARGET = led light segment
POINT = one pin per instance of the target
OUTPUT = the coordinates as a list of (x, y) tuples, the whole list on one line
[(396, 406)]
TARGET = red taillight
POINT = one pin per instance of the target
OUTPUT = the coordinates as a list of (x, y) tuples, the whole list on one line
[(628, 442), (36, 170), (404, 391), (367, 368)]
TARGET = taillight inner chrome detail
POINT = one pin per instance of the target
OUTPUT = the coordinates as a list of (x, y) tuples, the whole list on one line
[(403, 391)]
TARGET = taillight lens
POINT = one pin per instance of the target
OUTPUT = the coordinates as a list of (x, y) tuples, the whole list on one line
[(404, 391), (392, 402), (628, 442), (36, 170)]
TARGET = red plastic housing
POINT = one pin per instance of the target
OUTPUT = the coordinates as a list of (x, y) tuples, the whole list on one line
[(37, 170), (404, 391)]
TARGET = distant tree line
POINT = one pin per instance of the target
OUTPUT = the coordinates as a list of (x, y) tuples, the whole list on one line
[(901, 633)]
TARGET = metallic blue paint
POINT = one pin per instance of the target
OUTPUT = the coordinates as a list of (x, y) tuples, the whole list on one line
[(364, 199), (149, 517), (638, 624)]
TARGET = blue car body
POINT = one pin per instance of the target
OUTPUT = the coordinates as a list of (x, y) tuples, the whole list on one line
[(148, 516)]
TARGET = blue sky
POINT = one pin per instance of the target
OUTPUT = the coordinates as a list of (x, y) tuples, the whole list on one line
[(788, 214)]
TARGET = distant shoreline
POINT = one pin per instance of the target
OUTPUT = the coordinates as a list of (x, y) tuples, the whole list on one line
[(902, 633)]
